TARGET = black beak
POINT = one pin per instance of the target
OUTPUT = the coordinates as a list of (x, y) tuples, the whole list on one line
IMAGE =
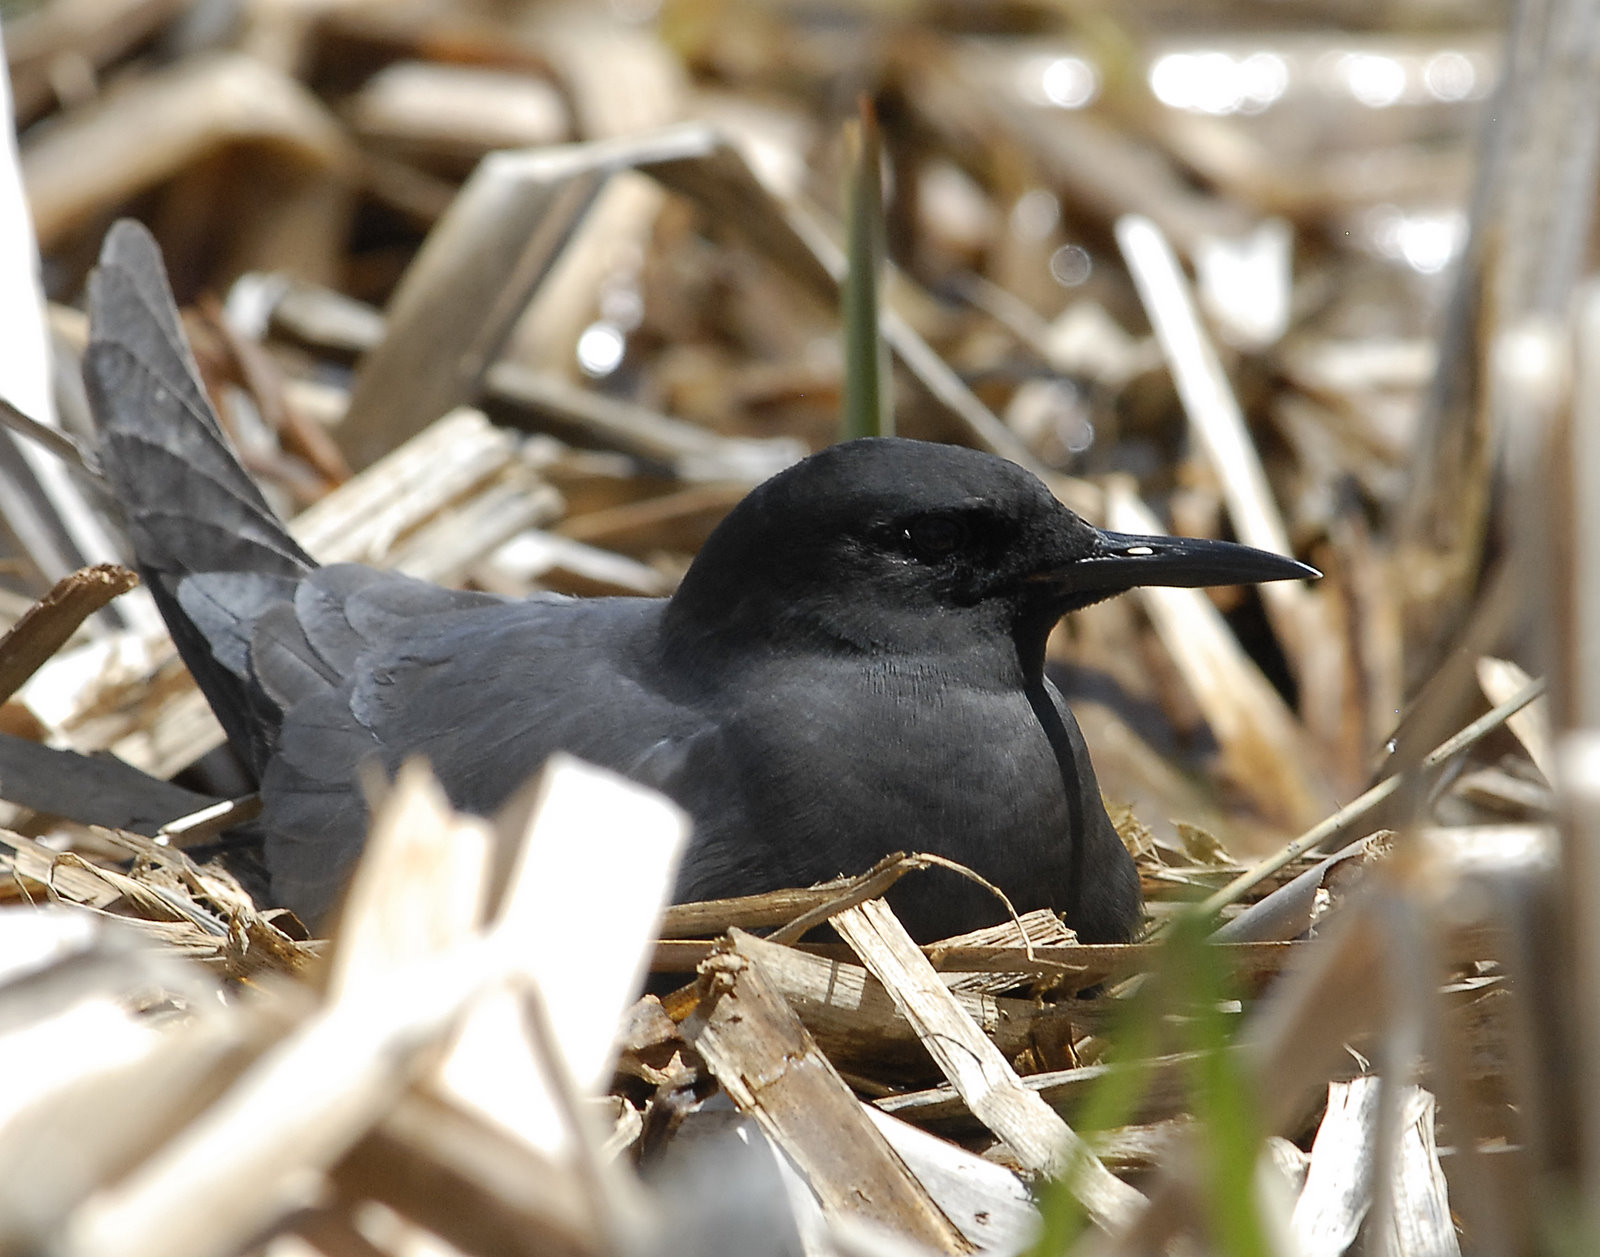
[(1120, 561)]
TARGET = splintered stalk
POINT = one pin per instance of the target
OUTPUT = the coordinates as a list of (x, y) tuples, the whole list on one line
[(867, 408), (1360, 806)]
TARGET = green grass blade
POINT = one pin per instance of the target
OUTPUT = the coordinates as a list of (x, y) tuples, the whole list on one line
[(1221, 1096), (1184, 989), (867, 381)]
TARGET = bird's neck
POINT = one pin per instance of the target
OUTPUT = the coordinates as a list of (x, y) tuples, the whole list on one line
[(740, 627), (997, 656)]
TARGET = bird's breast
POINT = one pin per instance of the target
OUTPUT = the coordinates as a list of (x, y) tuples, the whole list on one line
[(838, 767)]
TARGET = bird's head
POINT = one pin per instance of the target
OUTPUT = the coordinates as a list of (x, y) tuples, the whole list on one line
[(885, 544)]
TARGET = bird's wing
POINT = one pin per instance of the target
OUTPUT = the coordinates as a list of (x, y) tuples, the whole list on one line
[(484, 689), (210, 549), (190, 505)]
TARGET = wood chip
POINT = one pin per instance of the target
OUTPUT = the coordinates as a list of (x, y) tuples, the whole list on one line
[(1338, 1190)]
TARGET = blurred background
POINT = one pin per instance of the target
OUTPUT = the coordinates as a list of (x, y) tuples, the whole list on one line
[(656, 297), (526, 295)]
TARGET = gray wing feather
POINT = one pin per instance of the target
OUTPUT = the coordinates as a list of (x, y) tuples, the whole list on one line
[(321, 607), (284, 663), (432, 685), (225, 606), (190, 507)]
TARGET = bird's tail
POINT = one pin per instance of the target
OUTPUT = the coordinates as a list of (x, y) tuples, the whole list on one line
[(191, 509), (190, 506)]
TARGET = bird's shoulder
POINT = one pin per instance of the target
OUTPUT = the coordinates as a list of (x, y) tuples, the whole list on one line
[(484, 687)]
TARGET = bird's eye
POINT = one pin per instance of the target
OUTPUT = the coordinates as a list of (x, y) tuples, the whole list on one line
[(937, 536)]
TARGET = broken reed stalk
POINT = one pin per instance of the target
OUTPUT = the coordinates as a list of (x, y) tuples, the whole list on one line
[(878, 880), (56, 441), (1359, 807), (206, 823), (47, 625), (1036, 1134), (771, 1068)]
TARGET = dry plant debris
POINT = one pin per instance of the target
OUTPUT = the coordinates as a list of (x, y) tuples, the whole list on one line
[(525, 296)]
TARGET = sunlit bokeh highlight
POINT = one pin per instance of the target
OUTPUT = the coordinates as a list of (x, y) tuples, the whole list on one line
[(601, 348), (1070, 82), (1071, 265), (1064, 82), (1451, 76), (1377, 82), (1222, 83), (1425, 240), (1219, 83)]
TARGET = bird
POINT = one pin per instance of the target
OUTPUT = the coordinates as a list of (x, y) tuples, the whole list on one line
[(852, 665)]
